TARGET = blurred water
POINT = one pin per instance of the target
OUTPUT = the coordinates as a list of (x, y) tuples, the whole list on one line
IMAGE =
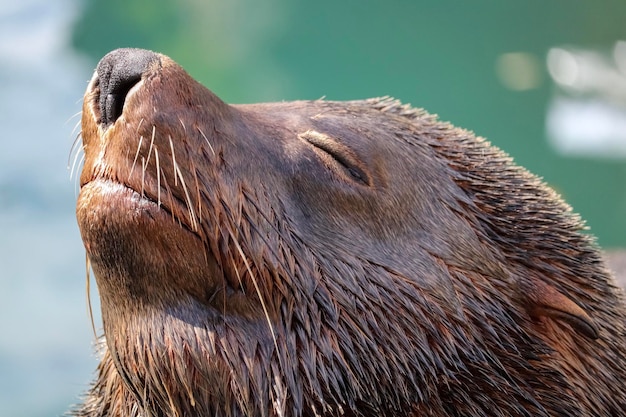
[(46, 354)]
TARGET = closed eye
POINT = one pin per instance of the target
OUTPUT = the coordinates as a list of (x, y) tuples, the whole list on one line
[(337, 156)]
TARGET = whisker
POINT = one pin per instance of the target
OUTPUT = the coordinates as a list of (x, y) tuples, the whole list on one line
[(161, 174), (76, 131), (171, 196), (169, 193), (136, 156), (190, 208), (74, 147), (89, 308), (151, 142), (81, 162), (206, 139), (77, 125), (132, 168), (143, 174), (178, 174), (198, 197), (158, 171), (77, 153), (78, 113), (174, 161)]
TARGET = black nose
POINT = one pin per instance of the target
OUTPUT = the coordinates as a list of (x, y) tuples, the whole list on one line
[(118, 72)]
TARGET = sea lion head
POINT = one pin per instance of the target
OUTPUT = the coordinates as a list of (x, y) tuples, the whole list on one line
[(326, 258)]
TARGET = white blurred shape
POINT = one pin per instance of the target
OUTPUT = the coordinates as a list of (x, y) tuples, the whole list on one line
[(592, 128), (619, 54), (587, 113), (562, 66)]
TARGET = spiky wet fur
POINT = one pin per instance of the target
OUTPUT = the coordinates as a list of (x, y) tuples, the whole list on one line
[(353, 337)]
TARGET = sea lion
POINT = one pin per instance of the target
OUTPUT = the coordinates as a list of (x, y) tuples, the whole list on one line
[(318, 258)]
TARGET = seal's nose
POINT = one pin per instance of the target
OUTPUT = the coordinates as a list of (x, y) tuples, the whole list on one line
[(118, 72)]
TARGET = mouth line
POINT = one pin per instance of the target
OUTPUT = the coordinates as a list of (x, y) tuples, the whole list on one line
[(153, 202)]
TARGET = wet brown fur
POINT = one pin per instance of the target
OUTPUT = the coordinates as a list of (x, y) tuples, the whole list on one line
[(324, 258)]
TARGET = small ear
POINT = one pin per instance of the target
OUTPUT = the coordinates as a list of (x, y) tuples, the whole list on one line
[(545, 300)]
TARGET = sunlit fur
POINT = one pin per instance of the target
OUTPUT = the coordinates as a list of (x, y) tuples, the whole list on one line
[(278, 288)]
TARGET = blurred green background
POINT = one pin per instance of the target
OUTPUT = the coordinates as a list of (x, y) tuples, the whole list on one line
[(449, 57), (544, 80)]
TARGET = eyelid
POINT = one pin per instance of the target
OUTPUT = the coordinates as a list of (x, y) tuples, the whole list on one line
[(340, 155)]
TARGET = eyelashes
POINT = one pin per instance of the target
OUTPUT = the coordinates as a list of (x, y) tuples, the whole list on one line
[(338, 157)]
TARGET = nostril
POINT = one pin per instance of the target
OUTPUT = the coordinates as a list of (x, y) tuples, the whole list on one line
[(118, 72)]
